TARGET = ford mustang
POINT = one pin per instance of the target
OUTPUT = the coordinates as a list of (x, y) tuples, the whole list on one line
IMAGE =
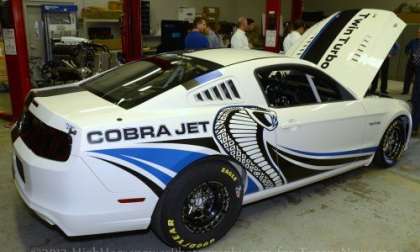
[(181, 141)]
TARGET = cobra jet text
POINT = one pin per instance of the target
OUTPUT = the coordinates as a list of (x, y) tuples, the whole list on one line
[(146, 132)]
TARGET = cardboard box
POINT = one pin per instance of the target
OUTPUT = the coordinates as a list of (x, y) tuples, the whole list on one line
[(112, 44), (410, 17), (115, 5), (212, 13), (186, 14), (101, 13)]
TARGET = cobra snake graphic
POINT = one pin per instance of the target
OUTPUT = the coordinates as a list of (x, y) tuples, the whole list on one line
[(240, 132)]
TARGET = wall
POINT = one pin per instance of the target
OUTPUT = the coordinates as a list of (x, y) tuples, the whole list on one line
[(286, 9), (167, 9), (164, 9), (230, 9)]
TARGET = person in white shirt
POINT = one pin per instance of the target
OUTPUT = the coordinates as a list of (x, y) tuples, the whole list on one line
[(294, 36), (239, 39)]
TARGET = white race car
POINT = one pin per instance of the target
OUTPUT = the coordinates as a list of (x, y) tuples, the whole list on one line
[(181, 141)]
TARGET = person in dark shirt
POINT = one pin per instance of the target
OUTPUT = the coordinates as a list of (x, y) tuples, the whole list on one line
[(383, 72), (197, 39), (254, 35), (413, 51), (415, 101)]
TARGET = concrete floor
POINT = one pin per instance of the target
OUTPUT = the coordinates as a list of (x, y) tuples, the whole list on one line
[(368, 209)]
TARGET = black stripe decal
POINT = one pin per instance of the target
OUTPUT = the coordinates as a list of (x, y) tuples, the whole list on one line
[(291, 171), (206, 142), (323, 162), (294, 172), (155, 188), (323, 41), (57, 91)]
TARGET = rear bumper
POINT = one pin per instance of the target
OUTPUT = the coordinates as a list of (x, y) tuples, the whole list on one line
[(69, 195)]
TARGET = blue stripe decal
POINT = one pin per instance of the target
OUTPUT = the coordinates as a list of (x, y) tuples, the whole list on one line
[(252, 187), (158, 174), (325, 154), (173, 159), (208, 77), (319, 34)]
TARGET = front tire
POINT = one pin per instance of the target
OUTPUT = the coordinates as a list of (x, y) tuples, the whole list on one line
[(199, 206), (392, 144)]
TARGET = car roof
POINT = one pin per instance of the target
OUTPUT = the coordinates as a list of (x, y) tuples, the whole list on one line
[(228, 56)]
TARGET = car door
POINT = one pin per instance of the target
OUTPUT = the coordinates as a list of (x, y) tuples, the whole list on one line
[(321, 126)]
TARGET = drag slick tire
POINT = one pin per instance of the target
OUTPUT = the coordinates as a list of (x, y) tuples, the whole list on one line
[(392, 143), (199, 206)]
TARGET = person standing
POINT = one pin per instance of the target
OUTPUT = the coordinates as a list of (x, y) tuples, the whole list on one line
[(215, 40), (413, 51), (196, 38), (383, 71), (239, 39), (294, 36), (415, 97), (415, 101), (254, 36)]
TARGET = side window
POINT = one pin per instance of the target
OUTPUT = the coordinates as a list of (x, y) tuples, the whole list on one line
[(286, 87), (329, 90)]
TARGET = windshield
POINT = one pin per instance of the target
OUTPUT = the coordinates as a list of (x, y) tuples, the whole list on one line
[(134, 83)]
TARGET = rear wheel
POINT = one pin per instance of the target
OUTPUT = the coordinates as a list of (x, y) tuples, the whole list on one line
[(392, 144), (199, 206)]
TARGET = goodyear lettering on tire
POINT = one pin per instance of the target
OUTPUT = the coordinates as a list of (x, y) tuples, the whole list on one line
[(182, 242)]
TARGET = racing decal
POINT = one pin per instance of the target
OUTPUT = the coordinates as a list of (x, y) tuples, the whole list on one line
[(342, 40), (367, 151), (319, 46), (291, 170), (146, 132), (206, 142), (239, 131), (149, 162), (202, 79), (155, 188), (251, 185), (321, 162), (208, 77), (295, 166)]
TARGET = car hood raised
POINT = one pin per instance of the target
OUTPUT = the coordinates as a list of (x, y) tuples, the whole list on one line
[(351, 45)]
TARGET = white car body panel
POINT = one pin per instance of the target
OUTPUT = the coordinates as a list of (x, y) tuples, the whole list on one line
[(119, 153)]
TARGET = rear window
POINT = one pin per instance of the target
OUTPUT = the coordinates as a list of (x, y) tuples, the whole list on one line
[(134, 83)]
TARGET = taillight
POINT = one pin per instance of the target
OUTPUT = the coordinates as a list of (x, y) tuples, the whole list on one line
[(18, 126), (15, 133), (29, 98), (44, 140), (19, 167)]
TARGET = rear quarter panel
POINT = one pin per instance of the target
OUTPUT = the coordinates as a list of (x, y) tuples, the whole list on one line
[(382, 111)]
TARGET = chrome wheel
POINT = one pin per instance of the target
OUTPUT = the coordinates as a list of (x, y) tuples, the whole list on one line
[(205, 207), (393, 142)]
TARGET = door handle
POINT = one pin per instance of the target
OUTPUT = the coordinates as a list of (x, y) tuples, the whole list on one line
[(292, 123)]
